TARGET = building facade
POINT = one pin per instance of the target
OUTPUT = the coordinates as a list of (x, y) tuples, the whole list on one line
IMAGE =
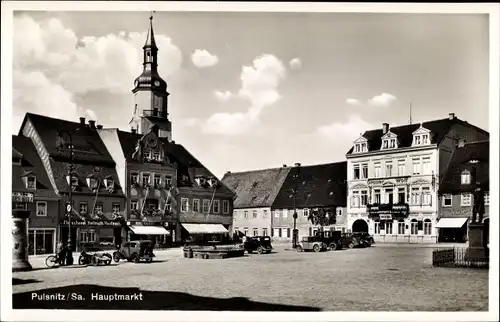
[(394, 176), (31, 190), (306, 189), (469, 164), (255, 193)]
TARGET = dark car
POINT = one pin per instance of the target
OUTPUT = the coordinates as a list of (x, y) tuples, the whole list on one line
[(351, 241), (314, 243), (261, 244), (333, 238), (135, 251), (364, 238)]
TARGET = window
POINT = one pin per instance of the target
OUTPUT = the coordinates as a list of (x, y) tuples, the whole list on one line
[(486, 198), (134, 178), (388, 169), (264, 231), (385, 145), (148, 154), (196, 205), (115, 208), (206, 205), (415, 196), (376, 194), (134, 205), (225, 206), (414, 227), (156, 156), (389, 196), (20, 205), (31, 182), (417, 140), (168, 181), (393, 143), (356, 172), (426, 166), (365, 171), (377, 228), (388, 227), (376, 171), (361, 147), (256, 232), (401, 195), (245, 231), (416, 166), (426, 196), (235, 229), (245, 214), (216, 206), (465, 177), (355, 199), (276, 214), (146, 178), (466, 199), (83, 208), (276, 232), (401, 167), (98, 208), (41, 208), (264, 215), (447, 201), (357, 148), (364, 197), (157, 181), (254, 214), (425, 139), (87, 236), (401, 227), (427, 227), (184, 204), (306, 212), (285, 213)]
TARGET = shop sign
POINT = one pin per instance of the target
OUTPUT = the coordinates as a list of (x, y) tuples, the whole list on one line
[(388, 209), (456, 212), (385, 217), (93, 223), (22, 197)]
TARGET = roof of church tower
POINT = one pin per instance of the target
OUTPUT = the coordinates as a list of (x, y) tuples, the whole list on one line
[(150, 39)]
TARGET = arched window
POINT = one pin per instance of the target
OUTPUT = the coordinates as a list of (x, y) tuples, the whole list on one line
[(414, 227), (427, 227), (377, 227), (465, 177), (401, 227)]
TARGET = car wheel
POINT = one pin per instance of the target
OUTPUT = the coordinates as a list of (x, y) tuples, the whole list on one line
[(299, 248), (260, 250), (317, 248), (368, 243), (81, 260), (51, 261), (350, 245), (116, 257), (135, 258), (332, 246)]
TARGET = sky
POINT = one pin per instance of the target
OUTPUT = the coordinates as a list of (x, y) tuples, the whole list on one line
[(256, 90)]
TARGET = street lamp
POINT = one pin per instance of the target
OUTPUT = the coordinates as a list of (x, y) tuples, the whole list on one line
[(295, 231), (65, 141)]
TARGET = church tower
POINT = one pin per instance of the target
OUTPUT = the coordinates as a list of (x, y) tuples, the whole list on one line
[(150, 94)]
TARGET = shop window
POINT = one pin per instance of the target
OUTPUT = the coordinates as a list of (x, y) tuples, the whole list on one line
[(414, 227), (87, 236), (427, 227), (401, 227), (41, 208), (41, 241), (388, 228), (377, 228)]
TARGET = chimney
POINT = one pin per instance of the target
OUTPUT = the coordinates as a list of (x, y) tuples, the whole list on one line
[(99, 127), (461, 143), (385, 128), (172, 142), (284, 165), (451, 116), (92, 124), (82, 120), (297, 164), (133, 131)]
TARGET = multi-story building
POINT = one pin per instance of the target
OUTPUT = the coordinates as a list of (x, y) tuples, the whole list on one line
[(32, 191), (98, 200), (394, 175), (166, 187), (469, 164), (255, 193), (305, 189)]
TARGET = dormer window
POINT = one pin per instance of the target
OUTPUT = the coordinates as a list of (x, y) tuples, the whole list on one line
[(31, 182), (360, 147), (465, 177), (108, 182), (156, 156), (92, 183), (421, 137), (389, 141), (212, 182), (201, 181)]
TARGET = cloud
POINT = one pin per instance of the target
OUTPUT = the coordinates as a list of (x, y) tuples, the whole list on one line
[(346, 132), (353, 101), (382, 100), (295, 63), (223, 96), (63, 63), (259, 85), (201, 58)]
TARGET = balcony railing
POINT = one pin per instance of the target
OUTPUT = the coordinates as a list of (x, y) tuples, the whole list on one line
[(154, 113)]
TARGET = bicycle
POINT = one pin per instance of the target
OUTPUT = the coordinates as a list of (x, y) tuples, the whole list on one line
[(52, 260)]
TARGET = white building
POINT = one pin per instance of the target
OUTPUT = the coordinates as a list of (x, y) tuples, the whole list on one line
[(394, 174)]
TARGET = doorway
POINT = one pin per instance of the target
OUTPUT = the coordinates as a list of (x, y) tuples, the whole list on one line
[(360, 226)]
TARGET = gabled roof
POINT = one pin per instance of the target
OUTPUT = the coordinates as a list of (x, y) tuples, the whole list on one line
[(460, 161), (321, 185), (257, 188), (187, 164), (438, 128), (88, 146), (30, 163)]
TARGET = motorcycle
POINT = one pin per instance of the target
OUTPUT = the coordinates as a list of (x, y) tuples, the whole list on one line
[(94, 259)]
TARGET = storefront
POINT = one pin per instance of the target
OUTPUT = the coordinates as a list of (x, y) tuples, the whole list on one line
[(204, 232), (452, 229), (100, 234), (151, 228)]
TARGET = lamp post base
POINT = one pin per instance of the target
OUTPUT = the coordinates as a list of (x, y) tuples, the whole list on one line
[(476, 252), (20, 260)]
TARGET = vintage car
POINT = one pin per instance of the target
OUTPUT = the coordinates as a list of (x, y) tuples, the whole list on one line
[(260, 244), (135, 251), (351, 241), (333, 238), (313, 243), (364, 238)]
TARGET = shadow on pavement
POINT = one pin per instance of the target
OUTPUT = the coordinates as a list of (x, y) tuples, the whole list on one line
[(19, 281), (80, 298)]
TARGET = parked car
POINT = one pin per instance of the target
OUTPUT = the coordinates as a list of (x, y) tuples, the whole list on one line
[(261, 244), (351, 241), (313, 243), (364, 238), (333, 238), (135, 251)]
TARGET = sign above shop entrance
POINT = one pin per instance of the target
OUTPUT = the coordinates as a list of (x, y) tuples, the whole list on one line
[(388, 209)]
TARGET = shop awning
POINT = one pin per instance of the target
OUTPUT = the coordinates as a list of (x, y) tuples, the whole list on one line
[(451, 222), (149, 230), (205, 228)]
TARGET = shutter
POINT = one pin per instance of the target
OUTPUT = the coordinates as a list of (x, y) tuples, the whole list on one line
[(288, 233), (420, 225)]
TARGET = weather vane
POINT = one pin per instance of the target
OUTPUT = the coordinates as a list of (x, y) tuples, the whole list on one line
[(151, 14)]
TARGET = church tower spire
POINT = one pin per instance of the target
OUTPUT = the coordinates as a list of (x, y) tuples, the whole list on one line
[(150, 93)]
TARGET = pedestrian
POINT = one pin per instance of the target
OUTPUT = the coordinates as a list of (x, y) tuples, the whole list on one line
[(61, 252)]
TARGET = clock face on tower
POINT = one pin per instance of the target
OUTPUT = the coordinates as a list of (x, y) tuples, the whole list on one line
[(157, 83)]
